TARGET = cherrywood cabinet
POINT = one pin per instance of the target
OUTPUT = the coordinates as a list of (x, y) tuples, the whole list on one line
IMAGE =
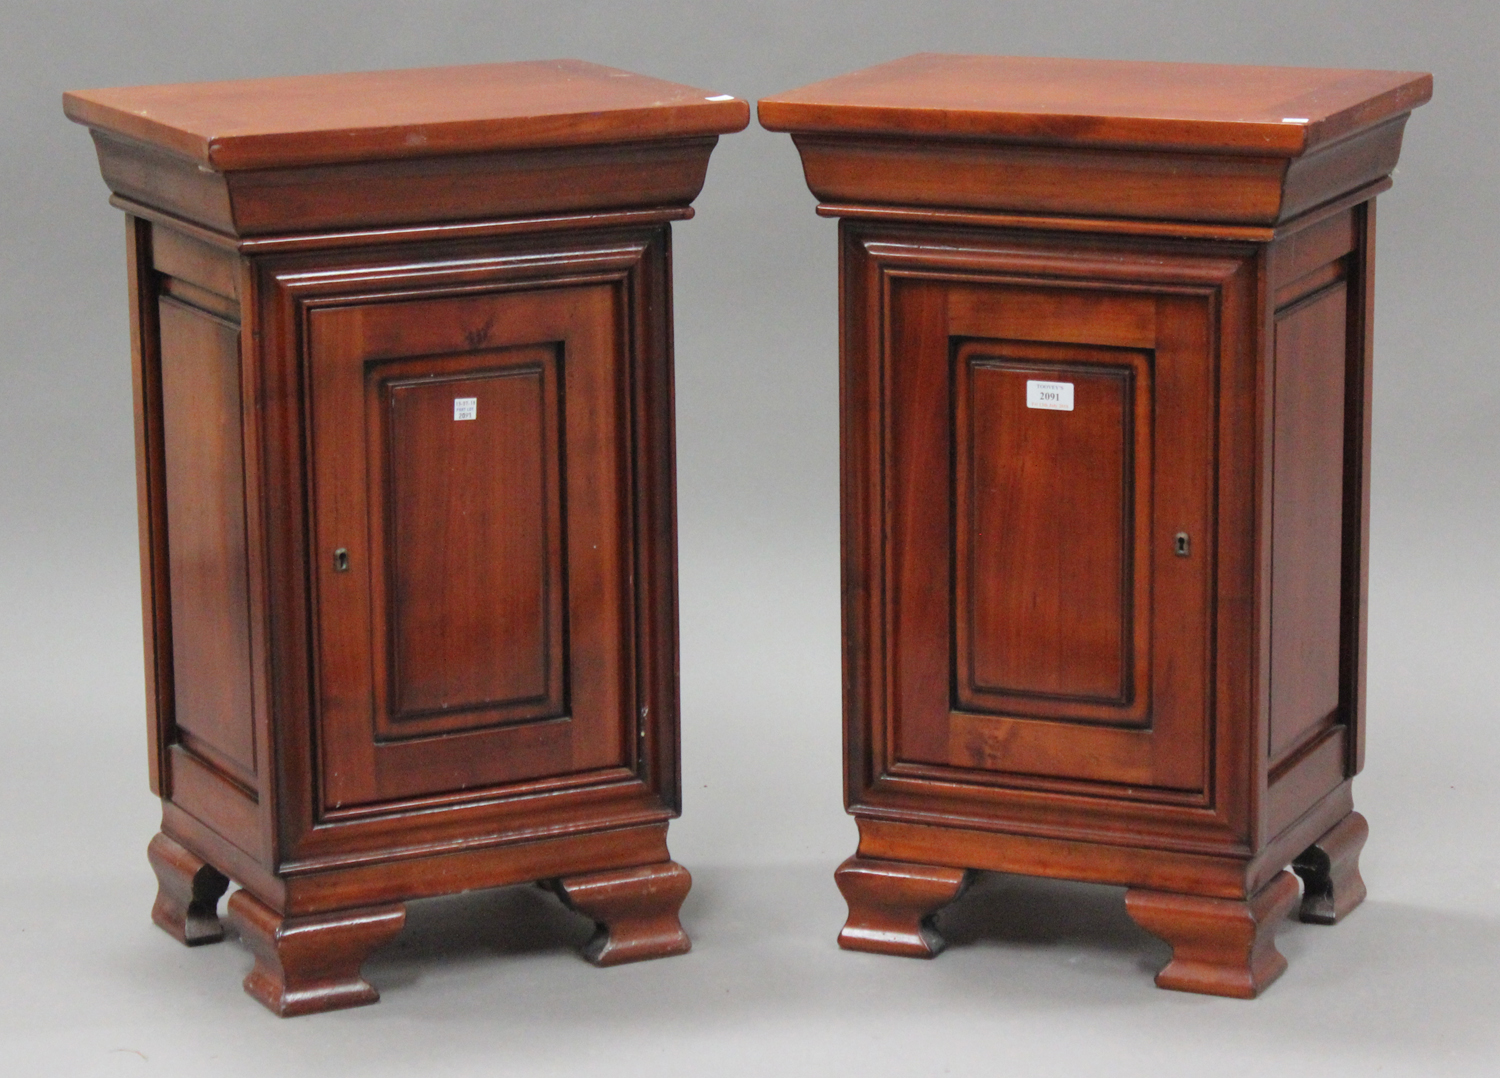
[(1105, 426), (404, 432)]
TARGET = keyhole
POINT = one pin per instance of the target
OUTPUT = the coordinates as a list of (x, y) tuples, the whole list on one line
[(341, 560), (1180, 544)]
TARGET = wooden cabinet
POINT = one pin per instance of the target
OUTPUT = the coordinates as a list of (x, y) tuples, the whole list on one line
[(1105, 424), (403, 366)]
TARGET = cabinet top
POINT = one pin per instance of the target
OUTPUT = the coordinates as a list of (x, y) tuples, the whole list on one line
[(1211, 108), (421, 112)]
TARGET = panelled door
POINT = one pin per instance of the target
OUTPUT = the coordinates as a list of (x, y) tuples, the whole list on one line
[(470, 507), (1048, 507)]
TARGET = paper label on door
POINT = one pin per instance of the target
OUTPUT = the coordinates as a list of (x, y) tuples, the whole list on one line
[(468, 407), (1057, 396)]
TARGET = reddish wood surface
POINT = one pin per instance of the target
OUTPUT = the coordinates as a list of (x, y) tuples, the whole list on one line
[(447, 551), (634, 909), (978, 843), (270, 156), (188, 893), (269, 203), (1220, 947), (151, 506), (393, 652), (203, 451), (1017, 585), (1308, 510), (1301, 779), (1331, 883), (419, 112), (1186, 143), (893, 905), (304, 965), (1259, 111), (473, 514), (1036, 679), (1052, 552)]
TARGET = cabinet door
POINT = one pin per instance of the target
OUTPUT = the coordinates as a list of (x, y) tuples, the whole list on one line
[(471, 507), (1048, 476)]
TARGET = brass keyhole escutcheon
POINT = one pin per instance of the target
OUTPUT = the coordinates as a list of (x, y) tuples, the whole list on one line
[(1181, 545), (341, 560)]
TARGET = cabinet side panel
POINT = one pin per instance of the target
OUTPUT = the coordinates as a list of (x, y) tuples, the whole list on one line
[(145, 362), (184, 258), (1307, 518), (205, 492), (1357, 483)]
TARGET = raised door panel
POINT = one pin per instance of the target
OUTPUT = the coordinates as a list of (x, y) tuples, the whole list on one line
[(1046, 622), (1048, 517), (471, 515), (466, 470)]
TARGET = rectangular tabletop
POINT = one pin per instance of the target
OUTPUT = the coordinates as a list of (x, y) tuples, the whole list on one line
[(377, 115), (1213, 108)]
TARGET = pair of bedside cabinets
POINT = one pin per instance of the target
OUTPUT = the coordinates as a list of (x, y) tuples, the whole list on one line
[(402, 349)]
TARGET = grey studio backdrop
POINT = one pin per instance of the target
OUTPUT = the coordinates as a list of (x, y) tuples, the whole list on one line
[(1042, 978)]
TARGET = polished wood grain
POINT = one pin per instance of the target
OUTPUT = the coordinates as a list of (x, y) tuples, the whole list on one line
[(1308, 510), (1142, 141), (1051, 559), (1303, 778), (151, 506), (269, 156), (1022, 580), (428, 596), (203, 451), (634, 911), (1123, 643), (1255, 111), (393, 651), (1361, 196), (893, 905), (408, 191), (1220, 947), (188, 893), (304, 965), (1331, 883), (265, 123), (473, 512)]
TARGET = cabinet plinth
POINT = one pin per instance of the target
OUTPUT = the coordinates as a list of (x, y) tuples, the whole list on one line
[(404, 434), (1105, 428)]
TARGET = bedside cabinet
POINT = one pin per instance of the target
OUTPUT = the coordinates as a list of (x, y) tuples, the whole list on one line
[(1105, 429), (403, 391)]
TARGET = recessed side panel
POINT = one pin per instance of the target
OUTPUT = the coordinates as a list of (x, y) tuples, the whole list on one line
[(203, 452), (468, 452), (1046, 611), (1307, 518)]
